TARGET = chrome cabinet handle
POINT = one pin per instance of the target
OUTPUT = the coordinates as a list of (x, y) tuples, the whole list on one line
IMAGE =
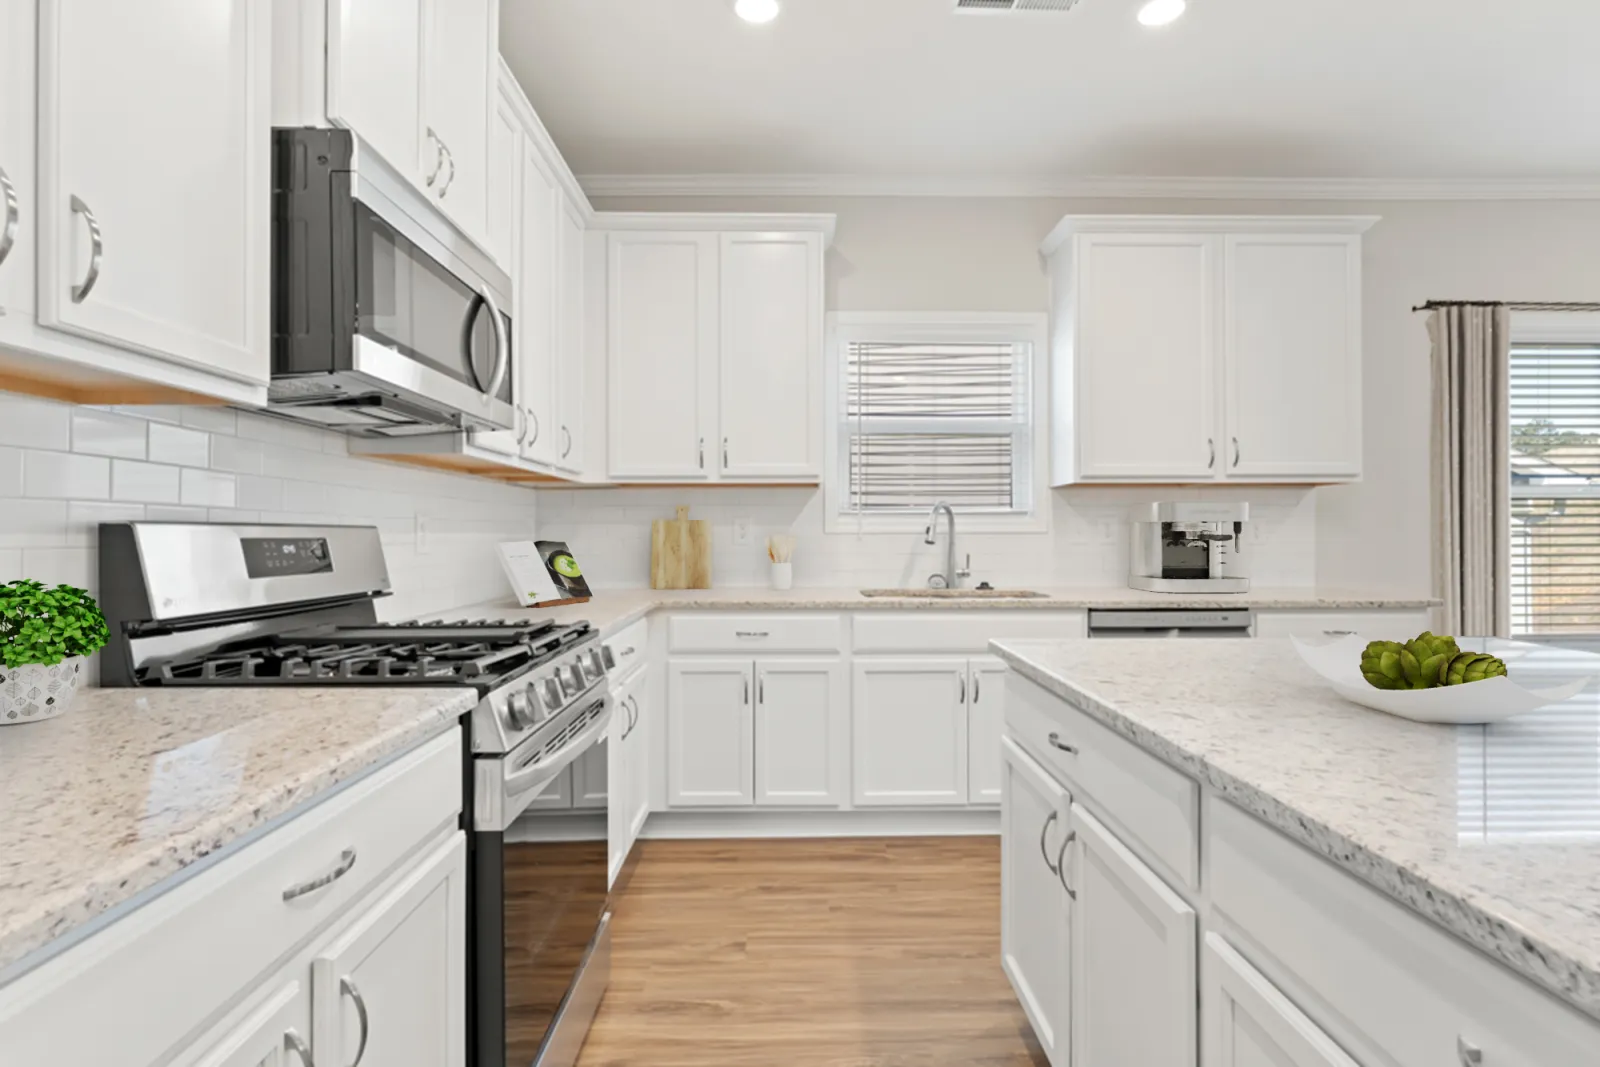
[(1061, 863), (1469, 1054), (297, 1045), (752, 633), (630, 650), (348, 986), (961, 681), (1056, 742), (975, 687), (633, 702), (97, 245), (747, 690), (347, 860), (522, 426), (566, 435), (724, 453), (502, 362), (8, 235), (533, 421), (1338, 633), (1044, 836), (1235, 451), (450, 179), (438, 156), (702, 453), (761, 689), (1211, 445)]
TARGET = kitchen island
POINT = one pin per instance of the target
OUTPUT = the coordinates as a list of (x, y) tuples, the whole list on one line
[(1340, 860)]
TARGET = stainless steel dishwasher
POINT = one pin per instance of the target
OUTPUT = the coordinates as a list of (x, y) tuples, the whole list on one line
[(1162, 622)]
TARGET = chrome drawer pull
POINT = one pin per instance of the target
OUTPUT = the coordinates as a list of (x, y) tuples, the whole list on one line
[(630, 650), (297, 1045), (1044, 835), (1061, 863), (752, 633), (348, 986), (438, 156), (1471, 1055), (1338, 633), (347, 859), (97, 245), (1056, 742)]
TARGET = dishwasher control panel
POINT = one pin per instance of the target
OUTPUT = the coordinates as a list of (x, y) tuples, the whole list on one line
[(1178, 622)]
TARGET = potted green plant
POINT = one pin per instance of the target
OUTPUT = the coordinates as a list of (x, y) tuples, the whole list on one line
[(45, 634)]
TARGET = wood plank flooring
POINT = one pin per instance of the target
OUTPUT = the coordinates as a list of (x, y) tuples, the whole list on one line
[(836, 953)]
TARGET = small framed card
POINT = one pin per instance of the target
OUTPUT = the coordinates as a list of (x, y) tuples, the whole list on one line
[(543, 573)]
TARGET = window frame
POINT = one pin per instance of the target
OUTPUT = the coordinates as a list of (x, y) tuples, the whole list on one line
[(1555, 328), (1030, 328)]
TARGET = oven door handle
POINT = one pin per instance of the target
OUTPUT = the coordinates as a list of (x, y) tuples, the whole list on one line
[(542, 773)]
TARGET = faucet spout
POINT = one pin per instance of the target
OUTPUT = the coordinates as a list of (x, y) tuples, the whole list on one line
[(951, 576)]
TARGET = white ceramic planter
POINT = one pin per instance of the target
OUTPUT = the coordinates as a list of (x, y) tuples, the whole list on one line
[(36, 692)]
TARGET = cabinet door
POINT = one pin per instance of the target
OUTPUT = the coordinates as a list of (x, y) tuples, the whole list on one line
[(910, 732), (663, 354), (710, 733), (1293, 356), (1145, 356), (802, 742), (557, 796), (570, 353), (504, 213), (276, 1034), (638, 762), (1250, 1023), (19, 218), (986, 716), (619, 781), (771, 345), (138, 247), (460, 55), (535, 328), (1133, 956), (591, 777), (375, 82), (391, 989), (1035, 911)]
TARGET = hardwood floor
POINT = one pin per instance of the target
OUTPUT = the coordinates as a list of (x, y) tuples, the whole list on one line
[(846, 953)]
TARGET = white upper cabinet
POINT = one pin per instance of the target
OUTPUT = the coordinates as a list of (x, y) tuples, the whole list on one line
[(1292, 331), (771, 346), (534, 332), (1206, 348), (570, 336), (504, 178), (461, 51), (135, 249), (663, 354), (18, 205), (375, 81)]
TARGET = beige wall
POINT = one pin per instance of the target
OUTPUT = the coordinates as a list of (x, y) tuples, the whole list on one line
[(928, 254)]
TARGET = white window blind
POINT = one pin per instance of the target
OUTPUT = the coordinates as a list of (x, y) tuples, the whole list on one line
[(924, 422), (1555, 489)]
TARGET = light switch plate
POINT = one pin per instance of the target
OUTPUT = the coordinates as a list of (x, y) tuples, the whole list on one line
[(741, 531)]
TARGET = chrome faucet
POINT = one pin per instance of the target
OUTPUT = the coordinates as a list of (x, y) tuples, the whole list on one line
[(951, 578)]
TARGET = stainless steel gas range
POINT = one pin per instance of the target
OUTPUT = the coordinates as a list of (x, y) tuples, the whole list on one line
[(222, 605)]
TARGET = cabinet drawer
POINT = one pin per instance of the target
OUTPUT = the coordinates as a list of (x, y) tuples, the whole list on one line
[(1151, 806), (1357, 961), (630, 646), (794, 632), (1385, 625), (171, 965), (959, 631)]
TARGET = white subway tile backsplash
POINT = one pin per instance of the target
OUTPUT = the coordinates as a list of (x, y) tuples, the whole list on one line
[(10, 565), (63, 476), (106, 433), (60, 566), (265, 494), (148, 483), (84, 519), (212, 489), (10, 472), (184, 448), (33, 523), (34, 423), (211, 419), (237, 455), (159, 513)]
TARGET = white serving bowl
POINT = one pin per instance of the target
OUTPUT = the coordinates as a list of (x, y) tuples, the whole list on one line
[(1490, 700)]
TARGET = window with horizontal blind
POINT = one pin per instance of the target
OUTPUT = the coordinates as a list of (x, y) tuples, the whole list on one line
[(1555, 489), (929, 412)]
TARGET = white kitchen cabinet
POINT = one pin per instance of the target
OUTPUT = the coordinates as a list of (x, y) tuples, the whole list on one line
[(169, 260), (504, 178), (910, 732), (636, 740), (986, 720), (534, 332), (1250, 1023), (275, 1034), (591, 777), (1133, 956), (662, 364), (391, 989), (802, 743), (19, 219), (1035, 910), (570, 354), (1292, 337), (710, 733), (557, 796), (461, 53), (629, 770), (771, 354)]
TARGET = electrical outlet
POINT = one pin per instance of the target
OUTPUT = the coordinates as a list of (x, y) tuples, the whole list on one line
[(422, 536), (741, 531)]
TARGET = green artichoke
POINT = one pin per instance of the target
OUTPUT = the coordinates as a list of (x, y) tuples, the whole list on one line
[(1471, 667), (1424, 662), (1431, 655), (1380, 665)]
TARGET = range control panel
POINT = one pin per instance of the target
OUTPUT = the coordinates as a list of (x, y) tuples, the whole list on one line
[(278, 557)]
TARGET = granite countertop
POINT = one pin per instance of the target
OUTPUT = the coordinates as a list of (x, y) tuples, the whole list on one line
[(130, 787), (1493, 832), (612, 609)]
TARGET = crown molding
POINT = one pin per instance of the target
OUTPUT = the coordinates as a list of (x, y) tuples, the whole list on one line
[(700, 222), (835, 185), (1299, 225)]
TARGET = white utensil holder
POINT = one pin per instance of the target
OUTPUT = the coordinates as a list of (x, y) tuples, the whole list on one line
[(783, 575)]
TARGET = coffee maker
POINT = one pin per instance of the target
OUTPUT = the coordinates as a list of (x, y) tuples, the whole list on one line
[(1183, 547)]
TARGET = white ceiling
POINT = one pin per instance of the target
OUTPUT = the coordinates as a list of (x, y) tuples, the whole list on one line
[(905, 89)]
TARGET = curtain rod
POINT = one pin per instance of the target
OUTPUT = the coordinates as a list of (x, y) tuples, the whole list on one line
[(1513, 305)]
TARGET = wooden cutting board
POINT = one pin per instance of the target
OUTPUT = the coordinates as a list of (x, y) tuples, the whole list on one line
[(680, 553)]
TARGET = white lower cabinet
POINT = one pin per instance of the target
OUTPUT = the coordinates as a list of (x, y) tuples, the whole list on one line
[(1250, 1023), (391, 989), (275, 1034), (910, 732), (628, 796), (591, 777), (986, 721), (1035, 910), (1133, 956), (710, 733), (801, 733)]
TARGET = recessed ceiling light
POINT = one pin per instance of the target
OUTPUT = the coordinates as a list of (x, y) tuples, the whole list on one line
[(1161, 12), (756, 11)]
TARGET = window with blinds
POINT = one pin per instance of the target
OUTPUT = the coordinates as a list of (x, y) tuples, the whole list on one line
[(929, 421), (1555, 490)]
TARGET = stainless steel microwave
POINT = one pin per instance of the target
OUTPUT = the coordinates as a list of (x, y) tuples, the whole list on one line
[(380, 326)]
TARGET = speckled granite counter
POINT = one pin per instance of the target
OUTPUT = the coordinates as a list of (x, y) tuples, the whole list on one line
[(1491, 832), (132, 786), (613, 609)]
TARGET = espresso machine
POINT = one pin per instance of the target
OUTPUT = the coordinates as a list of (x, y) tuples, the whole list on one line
[(1184, 547)]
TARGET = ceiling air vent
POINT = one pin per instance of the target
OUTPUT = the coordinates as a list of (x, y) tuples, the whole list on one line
[(1015, 5)]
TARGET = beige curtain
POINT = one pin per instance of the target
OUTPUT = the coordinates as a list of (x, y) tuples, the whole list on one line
[(1472, 468)]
